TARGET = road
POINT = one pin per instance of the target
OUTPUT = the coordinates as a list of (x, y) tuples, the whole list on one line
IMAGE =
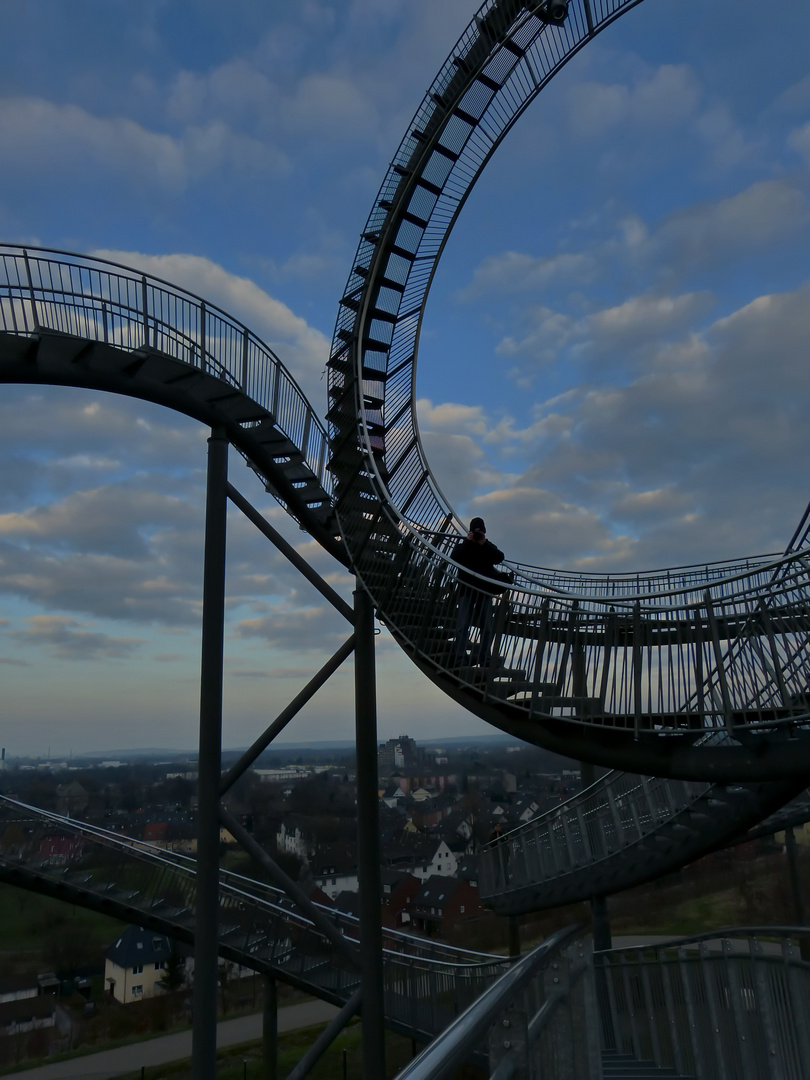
[(107, 1064)]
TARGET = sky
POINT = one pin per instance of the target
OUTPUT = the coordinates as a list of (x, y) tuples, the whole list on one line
[(613, 365)]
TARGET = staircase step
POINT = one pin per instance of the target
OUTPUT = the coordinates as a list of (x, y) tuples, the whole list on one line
[(625, 1067)]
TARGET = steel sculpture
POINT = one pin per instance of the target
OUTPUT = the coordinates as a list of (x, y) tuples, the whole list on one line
[(632, 671), (700, 673)]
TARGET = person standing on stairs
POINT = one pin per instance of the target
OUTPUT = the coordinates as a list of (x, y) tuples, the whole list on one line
[(480, 556)]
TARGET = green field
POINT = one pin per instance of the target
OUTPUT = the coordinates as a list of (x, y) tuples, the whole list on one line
[(40, 934)]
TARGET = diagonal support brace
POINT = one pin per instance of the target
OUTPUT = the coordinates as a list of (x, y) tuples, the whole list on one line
[(284, 717), (327, 1036), (294, 891), (289, 552)]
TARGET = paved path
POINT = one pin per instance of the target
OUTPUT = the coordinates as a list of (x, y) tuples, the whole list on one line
[(128, 1059)]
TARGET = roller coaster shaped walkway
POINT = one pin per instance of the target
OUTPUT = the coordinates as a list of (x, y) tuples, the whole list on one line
[(698, 675)]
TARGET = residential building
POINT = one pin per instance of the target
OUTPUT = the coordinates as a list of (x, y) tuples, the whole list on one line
[(134, 964)]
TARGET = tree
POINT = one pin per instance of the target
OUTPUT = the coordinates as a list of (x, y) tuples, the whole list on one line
[(174, 972)]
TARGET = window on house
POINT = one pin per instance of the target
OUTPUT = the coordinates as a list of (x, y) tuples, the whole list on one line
[(158, 965), (137, 991), (461, 909), (137, 969)]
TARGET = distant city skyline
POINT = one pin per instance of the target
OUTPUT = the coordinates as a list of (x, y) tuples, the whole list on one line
[(613, 362)]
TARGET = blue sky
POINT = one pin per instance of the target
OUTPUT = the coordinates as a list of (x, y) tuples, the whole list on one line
[(613, 367)]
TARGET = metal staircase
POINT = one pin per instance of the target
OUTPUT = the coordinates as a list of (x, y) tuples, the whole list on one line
[(697, 674), (620, 832), (626, 1067), (68, 320), (628, 671)]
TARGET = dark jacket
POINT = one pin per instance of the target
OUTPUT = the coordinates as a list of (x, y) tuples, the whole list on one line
[(480, 558)]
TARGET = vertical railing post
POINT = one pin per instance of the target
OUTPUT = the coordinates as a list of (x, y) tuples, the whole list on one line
[(31, 291), (368, 838), (797, 1002), (204, 1035), (203, 344), (637, 671), (243, 383), (795, 878), (145, 302), (601, 924)]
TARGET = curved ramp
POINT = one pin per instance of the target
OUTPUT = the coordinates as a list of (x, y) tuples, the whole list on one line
[(75, 321), (629, 671), (426, 983), (620, 832)]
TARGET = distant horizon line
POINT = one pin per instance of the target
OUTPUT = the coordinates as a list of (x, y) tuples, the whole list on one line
[(320, 744)]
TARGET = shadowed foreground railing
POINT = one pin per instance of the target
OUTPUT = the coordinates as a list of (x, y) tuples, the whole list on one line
[(543, 1010), (733, 1004)]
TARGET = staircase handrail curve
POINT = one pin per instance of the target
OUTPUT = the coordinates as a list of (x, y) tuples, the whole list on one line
[(793, 813), (456, 1042), (249, 888), (725, 933), (721, 571), (535, 580), (542, 582), (259, 367), (398, 527), (688, 594), (644, 786), (632, 585), (638, 787)]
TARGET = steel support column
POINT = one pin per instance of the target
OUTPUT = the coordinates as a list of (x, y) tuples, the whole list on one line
[(368, 839), (514, 938), (600, 920), (204, 1035), (270, 1030)]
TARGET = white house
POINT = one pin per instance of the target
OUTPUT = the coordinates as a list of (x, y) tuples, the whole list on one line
[(134, 964)]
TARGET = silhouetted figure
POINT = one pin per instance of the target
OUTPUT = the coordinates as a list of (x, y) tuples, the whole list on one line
[(479, 555)]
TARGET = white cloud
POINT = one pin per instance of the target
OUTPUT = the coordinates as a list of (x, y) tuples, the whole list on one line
[(300, 631), (302, 349), (658, 100), (67, 139), (725, 143), (515, 271), (763, 215), (645, 319), (799, 140), (104, 520), (68, 639)]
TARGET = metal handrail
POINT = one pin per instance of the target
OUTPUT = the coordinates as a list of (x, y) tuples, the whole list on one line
[(669, 668), (49, 289), (457, 1042), (263, 894), (724, 933), (725, 1003)]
